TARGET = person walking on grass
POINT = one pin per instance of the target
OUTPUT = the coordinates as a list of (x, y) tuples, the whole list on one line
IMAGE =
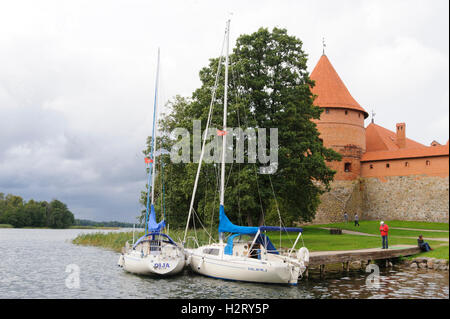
[(346, 217), (356, 220), (384, 229)]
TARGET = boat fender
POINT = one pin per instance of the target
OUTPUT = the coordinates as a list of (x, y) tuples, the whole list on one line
[(121, 261), (188, 260), (303, 255), (201, 263)]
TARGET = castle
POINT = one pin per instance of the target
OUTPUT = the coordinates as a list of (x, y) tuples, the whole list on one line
[(383, 174)]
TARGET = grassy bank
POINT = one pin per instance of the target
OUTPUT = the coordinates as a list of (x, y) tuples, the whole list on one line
[(314, 239), (94, 227), (6, 226), (439, 252), (321, 240), (113, 240), (373, 227), (116, 240)]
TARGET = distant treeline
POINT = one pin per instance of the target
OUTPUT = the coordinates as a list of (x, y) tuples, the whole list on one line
[(85, 222), (19, 213)]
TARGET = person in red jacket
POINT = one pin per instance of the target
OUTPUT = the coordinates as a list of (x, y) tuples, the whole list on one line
[(384, 229)]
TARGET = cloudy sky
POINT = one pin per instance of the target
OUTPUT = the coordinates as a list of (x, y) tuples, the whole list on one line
[(77, 80)]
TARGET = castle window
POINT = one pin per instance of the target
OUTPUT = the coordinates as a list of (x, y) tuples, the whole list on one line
[(346, 112), (387, 165), (406, 164), (359, 114), (371, 166), (428, 163), (348, 167), (327, 111)]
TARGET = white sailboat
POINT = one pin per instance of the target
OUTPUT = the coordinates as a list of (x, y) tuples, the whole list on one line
[(155, 252), (252, 259)]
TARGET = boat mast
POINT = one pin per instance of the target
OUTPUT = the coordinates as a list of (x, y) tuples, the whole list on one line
[(154, 132), (222, 173), (152, 164)]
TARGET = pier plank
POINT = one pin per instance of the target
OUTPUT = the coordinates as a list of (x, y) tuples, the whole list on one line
[(333, 257)]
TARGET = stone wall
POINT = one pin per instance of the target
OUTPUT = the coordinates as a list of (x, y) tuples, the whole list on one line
[(421, 198), (344, 196)]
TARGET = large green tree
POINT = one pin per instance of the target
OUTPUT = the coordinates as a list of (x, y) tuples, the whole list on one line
[(269, 87)]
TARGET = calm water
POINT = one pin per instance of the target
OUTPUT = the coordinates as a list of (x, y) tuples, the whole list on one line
[(34, 262)]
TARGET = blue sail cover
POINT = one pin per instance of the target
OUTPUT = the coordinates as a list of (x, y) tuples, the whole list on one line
[(226, 226), (152, 225)]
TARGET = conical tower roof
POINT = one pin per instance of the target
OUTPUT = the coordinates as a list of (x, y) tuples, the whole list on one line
[(330, 90)]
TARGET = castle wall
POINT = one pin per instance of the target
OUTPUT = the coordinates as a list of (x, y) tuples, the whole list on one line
[(430, 166), (343, 131), (414, 197), (344, 196), (339, 127)]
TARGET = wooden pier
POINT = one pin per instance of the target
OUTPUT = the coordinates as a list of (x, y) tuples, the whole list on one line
[(323, 258)]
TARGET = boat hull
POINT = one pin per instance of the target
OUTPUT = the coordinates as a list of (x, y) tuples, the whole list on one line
[(244, 269), (153, 264)]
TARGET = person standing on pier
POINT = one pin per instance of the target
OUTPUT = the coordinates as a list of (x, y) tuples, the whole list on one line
[(384, 229)]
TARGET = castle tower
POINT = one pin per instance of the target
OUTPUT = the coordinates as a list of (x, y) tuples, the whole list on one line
[(341, 125)]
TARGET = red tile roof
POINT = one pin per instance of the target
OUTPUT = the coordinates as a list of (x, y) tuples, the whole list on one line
[(329, 88), (380, 139), (381, 145), (425, 151)]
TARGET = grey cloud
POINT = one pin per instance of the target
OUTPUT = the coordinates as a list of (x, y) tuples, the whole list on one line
[(77, 80)]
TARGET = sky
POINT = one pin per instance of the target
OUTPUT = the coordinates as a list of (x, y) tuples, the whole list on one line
[(77, 80)]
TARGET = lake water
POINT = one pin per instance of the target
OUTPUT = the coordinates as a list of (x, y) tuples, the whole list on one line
[(43, 263)]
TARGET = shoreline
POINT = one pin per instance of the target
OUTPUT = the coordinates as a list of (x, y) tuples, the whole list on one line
[(315, 240)]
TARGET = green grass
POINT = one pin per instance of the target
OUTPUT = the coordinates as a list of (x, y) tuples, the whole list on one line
[(112, 240), (440, 252), (92, 227), (116, 240), (321, 240), (315, 239), (6, 226), (418, 225), (373, 227)]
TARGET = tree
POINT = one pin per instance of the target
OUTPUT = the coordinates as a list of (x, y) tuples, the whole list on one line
[(36, 213), (59, 215), (269, 88), (2, 208)]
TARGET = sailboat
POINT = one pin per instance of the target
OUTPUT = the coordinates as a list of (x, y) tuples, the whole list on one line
[(247, 254), (155, 252)]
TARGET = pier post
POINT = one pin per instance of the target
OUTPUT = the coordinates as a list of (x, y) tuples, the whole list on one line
[(322, 270)]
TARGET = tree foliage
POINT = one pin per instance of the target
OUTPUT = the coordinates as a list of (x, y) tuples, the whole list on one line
[(15, 211), (269, 87)]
